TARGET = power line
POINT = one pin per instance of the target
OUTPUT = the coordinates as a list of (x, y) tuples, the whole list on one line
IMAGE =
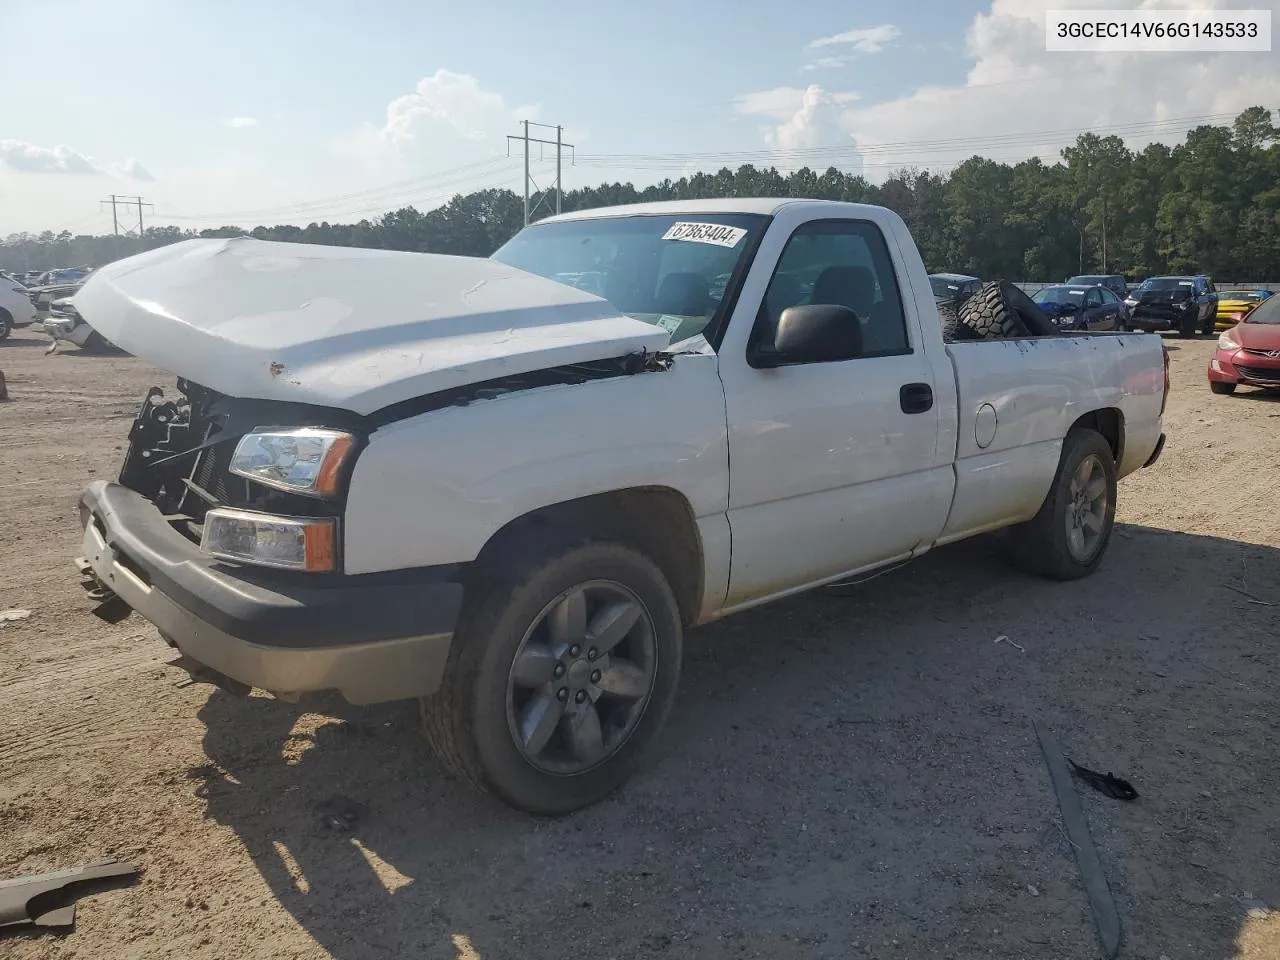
[(951, 144), (328, 202), (443, 188)]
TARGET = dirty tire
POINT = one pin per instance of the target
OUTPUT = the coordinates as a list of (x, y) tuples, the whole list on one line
[(1000, 310), (6, 324), (952, 329), (466, 721), (1040, 546), (1222, 388), (1187, 326), (96, 342)]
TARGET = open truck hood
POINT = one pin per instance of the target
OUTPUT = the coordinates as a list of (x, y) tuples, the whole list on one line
[(346, 327)]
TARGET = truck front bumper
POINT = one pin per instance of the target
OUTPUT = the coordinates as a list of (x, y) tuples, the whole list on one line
[(372, 638)]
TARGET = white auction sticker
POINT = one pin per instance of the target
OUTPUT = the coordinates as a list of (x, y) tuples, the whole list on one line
[(716, 233), (1143, 31)]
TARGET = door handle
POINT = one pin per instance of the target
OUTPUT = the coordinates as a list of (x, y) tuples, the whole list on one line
[(915, 397)]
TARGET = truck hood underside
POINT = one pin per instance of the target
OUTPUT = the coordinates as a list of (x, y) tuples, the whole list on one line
[(346, 327)]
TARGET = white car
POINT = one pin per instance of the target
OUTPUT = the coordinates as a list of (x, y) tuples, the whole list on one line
[(16, 309), (410, 475)]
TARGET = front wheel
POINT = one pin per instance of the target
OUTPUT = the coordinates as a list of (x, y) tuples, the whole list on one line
[(1068, 536), (1218, 386), (563, 670), (6, 325)]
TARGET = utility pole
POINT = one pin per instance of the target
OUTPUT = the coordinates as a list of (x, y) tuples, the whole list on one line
[(532, 201), (1104, 233), (116, 201)]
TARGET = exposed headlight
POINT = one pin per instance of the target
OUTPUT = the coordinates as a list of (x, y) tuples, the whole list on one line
[(293, 543), (306, 460), (1226, 343), (1129, 301)]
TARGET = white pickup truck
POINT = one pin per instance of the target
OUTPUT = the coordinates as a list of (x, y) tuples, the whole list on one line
[(507, 486)]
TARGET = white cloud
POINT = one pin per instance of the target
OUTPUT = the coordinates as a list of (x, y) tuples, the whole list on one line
[(23, 157), (452, 102), (1013, 89), (804, 120), (133, 170), (863, 40), (825, 63), (239, 123)]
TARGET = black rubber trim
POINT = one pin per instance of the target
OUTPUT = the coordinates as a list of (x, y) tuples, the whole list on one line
[(293, 610), (1155, 454)]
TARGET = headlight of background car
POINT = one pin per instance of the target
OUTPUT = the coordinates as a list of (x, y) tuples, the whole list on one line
[(293, 543), (306, 460), (1226, 343)]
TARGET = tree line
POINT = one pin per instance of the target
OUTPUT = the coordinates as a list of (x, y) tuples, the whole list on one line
[(1210, 204)]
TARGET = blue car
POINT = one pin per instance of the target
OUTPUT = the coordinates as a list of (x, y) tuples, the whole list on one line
[(1082, 307)]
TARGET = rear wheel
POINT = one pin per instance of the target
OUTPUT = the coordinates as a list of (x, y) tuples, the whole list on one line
[(1218, 386), (1069, 535), (1187, 325), (563, 670)]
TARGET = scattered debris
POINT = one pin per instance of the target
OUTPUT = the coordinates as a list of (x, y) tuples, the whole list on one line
[(1105, 783), (8, 616), (1105, 916), (1249, 596), (46, 901), (276, 368), (340, 813), (1013, 643), (1033, 889), (4, 390)]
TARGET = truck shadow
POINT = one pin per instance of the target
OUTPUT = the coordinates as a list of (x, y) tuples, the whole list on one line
[(840, 771)]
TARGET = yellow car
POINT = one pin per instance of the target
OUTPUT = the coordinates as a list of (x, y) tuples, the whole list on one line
[(1234, 305)]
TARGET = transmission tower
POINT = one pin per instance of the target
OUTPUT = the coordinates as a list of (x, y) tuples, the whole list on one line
[(539, 196), (126, 202)]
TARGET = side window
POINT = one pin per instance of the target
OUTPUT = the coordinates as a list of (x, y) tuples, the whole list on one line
[(1093, 299), (1108, 296), (842, 262)]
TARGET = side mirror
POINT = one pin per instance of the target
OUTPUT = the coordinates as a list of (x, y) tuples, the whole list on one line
[(813, 333)]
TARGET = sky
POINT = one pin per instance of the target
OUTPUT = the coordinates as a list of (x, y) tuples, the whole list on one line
[(292, 111)]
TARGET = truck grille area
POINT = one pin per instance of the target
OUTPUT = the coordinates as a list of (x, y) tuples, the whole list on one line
[(180, 451)]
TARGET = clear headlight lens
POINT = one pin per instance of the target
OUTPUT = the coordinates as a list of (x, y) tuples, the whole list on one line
[(1226, 343), (306, 460), (293, 543)]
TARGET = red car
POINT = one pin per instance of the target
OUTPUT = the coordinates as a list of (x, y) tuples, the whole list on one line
[(1249, 352)]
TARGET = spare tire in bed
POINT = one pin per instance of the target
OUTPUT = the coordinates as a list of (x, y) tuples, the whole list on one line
[(952, 329), (1000, 310)]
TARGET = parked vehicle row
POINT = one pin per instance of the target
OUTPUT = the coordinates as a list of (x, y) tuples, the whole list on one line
[(16, 309)]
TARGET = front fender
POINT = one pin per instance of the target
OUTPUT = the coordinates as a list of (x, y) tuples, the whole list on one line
[(433, 489)]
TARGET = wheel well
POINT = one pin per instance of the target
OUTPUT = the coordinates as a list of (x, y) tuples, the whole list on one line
[(6, 315), (657, 521), (1110, 423)]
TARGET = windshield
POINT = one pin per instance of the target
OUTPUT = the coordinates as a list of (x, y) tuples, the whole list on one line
[(1090, 281), (1268, 311), (1072, 295), (943, 288), (670, 271), (1166, 283)]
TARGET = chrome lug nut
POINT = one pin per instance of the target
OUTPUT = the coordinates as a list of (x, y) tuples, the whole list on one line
[(592, 653), (559, 670), (575, 650), (580, 696), (562, 693), (595, 676)]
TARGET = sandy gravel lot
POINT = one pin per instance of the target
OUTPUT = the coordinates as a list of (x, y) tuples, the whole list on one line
[(843, 776)]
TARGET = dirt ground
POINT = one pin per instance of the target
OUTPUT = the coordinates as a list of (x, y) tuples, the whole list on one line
[(843, 775)]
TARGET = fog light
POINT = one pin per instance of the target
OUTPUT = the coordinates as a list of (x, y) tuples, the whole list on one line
[(291, 543), (1215, 365)]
